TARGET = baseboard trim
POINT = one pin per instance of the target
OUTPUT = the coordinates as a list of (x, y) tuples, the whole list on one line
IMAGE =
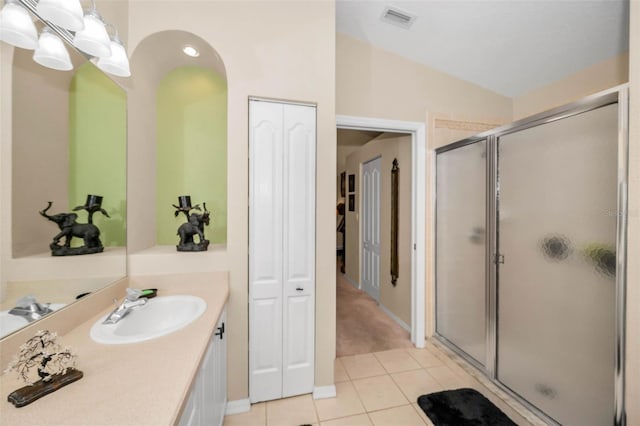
[(395, 318), (323, 392), (238, 406), (350, 281)]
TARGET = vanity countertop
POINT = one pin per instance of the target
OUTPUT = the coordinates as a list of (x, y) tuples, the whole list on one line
[(142, 383)]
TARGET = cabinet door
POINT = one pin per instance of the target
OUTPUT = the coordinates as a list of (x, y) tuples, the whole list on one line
[(220, 370), (190, 413), (207, 386)]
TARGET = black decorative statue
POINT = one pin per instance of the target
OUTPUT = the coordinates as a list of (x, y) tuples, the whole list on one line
[(194, 225), (69, 228)]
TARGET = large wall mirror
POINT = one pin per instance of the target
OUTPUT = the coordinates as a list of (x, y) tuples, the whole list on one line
[(68, 139)]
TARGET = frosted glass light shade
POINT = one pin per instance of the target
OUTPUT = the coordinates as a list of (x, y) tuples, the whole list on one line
[(51, 52), (16, 26), (93, 38), (117, 63), (64, 13)]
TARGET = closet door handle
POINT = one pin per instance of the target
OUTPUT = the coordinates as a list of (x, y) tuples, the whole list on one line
[(299, 289)]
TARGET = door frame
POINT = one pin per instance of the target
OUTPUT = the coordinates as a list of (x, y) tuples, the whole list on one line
[(418, 210)]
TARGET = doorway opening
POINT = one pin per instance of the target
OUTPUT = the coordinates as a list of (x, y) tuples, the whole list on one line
[(375, 302)]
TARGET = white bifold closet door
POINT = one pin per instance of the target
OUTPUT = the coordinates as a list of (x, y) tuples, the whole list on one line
[(282, 172)]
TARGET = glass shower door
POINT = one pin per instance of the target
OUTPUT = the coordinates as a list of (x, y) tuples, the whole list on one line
[(556, 287), (460, 246)]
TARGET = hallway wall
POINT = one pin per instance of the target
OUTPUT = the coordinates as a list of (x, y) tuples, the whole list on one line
[(388, 146)]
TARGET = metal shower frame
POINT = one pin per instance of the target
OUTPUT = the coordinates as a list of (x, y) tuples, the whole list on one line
[(617, 95)]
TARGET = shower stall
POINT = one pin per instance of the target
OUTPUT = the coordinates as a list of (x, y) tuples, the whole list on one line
[(530, 257)]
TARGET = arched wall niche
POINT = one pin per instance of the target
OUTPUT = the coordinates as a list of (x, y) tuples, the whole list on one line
[(175, 151)]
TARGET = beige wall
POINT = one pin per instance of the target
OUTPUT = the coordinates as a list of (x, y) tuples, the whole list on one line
[(40, 163), (598, 77), (633, 232), (270, 49), (387, 146), (6, 117), (371, 82)]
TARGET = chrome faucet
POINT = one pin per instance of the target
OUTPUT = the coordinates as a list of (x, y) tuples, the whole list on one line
[(130, 301), (28, 308)]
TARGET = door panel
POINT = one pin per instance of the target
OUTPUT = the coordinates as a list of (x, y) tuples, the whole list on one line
[(299, 249), (371, 228), (265, 251), (281, 249), (557, 231), (460, 248)]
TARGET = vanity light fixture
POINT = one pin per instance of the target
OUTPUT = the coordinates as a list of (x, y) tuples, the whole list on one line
[(191, 51), (93, 38), (16, 26), (64, 13), (63, 21), (51, 52), (118, 63)]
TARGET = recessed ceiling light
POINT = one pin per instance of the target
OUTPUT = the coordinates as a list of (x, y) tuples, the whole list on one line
[(191, 51)]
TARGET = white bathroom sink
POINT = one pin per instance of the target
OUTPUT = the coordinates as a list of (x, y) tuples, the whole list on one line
[(10, 323), (159, 317)]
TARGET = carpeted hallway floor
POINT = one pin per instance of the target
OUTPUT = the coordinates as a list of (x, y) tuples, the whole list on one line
[(361, 326)]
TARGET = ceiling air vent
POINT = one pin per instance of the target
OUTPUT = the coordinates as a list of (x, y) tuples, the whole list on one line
[(398, 17)]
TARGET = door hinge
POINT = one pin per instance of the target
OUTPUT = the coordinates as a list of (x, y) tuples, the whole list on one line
[(498, 259)]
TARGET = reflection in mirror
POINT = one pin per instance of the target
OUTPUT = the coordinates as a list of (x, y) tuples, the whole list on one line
[(68, 141)]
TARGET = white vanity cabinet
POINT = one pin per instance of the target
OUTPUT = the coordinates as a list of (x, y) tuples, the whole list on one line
[(208, 398)]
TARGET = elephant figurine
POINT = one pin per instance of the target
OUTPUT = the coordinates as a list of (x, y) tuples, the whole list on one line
[(195, 226), (69, 228)]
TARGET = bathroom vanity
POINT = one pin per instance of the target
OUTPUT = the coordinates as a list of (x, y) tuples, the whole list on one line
[(178, 378)]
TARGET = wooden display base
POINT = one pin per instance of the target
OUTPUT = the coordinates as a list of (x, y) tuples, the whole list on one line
[(26, 395)]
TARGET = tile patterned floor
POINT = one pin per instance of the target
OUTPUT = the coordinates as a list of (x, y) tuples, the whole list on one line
[(372, 389)]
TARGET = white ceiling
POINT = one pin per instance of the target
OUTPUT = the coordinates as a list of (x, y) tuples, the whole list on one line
[(507, 46)]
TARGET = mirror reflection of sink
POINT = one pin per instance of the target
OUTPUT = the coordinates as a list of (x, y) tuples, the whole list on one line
[(159, 317), (10, 323)]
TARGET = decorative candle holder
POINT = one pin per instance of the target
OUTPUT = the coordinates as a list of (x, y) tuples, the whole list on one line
[(69, 229), (92, 205), (194, 226)]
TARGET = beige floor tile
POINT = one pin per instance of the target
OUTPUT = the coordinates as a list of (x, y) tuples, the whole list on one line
[(359, 420), (396, 360), (378, 393), (255, 417), (447, 378), (339, 373), (416, 383), (359, 366), (293, 411), (398, 416), (346, 403), (422, 415), (425, 357)]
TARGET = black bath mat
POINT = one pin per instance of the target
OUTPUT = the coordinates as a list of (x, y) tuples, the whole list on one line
[(462, 407)]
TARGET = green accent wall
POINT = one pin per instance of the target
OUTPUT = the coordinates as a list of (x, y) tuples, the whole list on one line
[(98, 150), (191, 150)]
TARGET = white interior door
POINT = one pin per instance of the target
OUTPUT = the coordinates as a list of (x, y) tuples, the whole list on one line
[(371, 228), (265, 251), (282, 148)]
